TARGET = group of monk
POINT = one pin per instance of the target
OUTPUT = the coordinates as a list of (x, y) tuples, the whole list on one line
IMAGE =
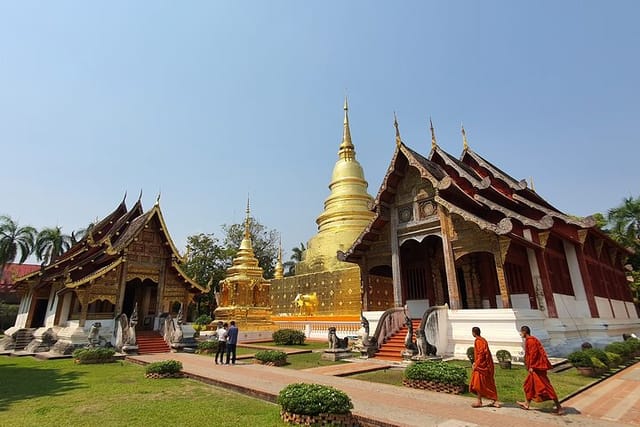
[(537, 386)]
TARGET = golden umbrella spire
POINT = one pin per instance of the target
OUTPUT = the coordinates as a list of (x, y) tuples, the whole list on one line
[(346, 148), (465, 146), (395, 124), (246, 222), (434, 144), (279, 270)]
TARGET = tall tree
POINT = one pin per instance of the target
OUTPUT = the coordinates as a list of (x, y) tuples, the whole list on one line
[(14, 241), (51, 243), (264, 242), (206, 263), (296, 257), (624, 222)]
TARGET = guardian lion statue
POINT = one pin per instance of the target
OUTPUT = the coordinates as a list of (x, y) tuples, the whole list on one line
[(335, 342)]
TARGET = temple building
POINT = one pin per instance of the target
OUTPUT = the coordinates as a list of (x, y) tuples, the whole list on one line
[(463, 234), (244, 292), (324, 287), (126, 261)]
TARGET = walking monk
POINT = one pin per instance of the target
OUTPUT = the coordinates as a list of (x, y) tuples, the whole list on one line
[(482, 381), (537, 385)]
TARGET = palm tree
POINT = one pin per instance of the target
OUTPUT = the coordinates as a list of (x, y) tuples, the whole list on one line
[(295, 258), (51, 243), (625, 222), (14, 240)]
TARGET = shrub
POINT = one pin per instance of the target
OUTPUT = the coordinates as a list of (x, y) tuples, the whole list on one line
[(314, 399), (597, 363), (580, 359), (440, 372), (271, 356), (633, 344), (203, 320), (164, 367), (614, 359), (207, 346), (94, 355), (619, 348), (471, 354), (600, 355), (288, 337), (503, 356)]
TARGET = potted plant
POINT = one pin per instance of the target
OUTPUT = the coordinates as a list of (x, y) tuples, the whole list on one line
[(582, 362), (315, 404), (471, 354), (504, 359)]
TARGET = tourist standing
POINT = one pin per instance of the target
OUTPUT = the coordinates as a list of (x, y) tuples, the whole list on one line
[(222, 342), (482, 383), (537, 385), (232, 340)]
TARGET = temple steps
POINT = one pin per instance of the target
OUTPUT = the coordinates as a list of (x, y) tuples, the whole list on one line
[(394, 346), (150, 342)]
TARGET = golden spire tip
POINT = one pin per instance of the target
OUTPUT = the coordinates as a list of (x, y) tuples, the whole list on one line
[(465, 146), (395, 124), (434, 144)]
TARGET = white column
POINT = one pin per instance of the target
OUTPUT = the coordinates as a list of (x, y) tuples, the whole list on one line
[(576, 278), (395, 258)]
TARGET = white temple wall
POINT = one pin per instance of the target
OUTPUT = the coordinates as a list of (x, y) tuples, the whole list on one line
[(50, 315), (23, 311), (520, 301), (604, 308), (568, 306), (619, 309), (631, 308)]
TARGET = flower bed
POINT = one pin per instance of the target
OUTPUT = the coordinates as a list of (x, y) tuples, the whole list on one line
[(434, 386), (270, 357), (93, 355), (164, 369), (274, 363), (157, 375), (318, 420)]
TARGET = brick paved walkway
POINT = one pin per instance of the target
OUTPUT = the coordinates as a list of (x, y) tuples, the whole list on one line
[(387, 405)]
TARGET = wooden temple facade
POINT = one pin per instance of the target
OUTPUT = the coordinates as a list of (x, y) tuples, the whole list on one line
[(126, 260), (461, 232)]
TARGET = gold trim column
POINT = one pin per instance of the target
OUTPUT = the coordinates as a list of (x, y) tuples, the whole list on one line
[(499, 257), (449, 259), (122, 285)]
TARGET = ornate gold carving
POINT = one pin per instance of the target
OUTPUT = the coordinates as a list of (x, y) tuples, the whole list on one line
[(544, 237)]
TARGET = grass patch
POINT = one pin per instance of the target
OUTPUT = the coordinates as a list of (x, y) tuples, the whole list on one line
[(61, 393), (308, 360), (508, 381)]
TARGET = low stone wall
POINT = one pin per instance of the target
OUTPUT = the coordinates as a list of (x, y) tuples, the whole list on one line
[(434, 386), (346, 420)]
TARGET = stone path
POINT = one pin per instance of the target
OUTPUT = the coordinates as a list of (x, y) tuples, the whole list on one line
[(387, 405)]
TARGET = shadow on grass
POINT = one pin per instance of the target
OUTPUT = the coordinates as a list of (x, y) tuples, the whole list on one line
[(20, 383)]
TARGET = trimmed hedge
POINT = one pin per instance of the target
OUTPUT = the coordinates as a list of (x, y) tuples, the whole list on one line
[(621, 348), (94, 355), (288, 337), (314, 399), (164, 367), (580, 359), (503, 356), (471, 354), (271, 356), (207, 347), (437, 371)]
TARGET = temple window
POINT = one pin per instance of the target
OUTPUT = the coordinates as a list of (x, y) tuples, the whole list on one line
[(100, 309)]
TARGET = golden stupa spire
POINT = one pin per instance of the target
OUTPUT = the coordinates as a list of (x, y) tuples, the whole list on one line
[(346, 148), (246, 222), (465, 146), (279, 270), (395, 125), (434, 144)]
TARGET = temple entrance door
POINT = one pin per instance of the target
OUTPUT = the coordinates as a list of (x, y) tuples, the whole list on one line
[(39, 313), (144, 293), (421, 283)]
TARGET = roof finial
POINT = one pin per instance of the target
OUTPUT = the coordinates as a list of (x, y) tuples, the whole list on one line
[(395, 124), (158, 199), (140, 195), (346, 147), (465, 146), (246, 221), (533, 187), (434, 144), (124, 199)]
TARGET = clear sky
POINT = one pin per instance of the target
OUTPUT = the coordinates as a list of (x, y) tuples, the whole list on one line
[(208, 102)]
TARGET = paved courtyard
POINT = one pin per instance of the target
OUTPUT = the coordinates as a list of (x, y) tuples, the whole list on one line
[(613, 402)]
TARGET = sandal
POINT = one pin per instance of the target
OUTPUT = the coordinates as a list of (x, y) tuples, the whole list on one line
[(523, 405)]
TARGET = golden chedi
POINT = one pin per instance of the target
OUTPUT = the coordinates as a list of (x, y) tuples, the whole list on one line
[(244, 293), (323, 285)]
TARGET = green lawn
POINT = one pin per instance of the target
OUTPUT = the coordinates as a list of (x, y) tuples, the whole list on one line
[(508, 381), (308, 360), (61, 393)]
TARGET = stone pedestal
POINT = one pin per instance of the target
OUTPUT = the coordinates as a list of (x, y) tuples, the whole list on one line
[(336, 354)]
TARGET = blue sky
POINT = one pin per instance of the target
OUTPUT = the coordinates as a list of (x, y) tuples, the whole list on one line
[(208, 101)]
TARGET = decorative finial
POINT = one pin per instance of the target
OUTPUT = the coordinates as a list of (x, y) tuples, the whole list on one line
[(346, 147), (125, 196), (465, 146), (158, 199), (533, 187), (140, 195), (246, 221), (434, 144), (395, 124)]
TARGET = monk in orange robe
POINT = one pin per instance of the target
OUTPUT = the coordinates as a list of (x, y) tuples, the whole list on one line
[(482, 381), (537, 385)]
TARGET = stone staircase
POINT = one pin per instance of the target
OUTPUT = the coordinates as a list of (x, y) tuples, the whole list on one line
[(394, 346), (150, 342)]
